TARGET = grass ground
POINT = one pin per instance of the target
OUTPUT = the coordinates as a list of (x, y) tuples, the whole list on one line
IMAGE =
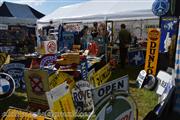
[(146, 100)]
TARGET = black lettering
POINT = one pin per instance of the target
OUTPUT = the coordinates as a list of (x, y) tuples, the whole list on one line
[(149, 65), (113, 86), (120, 84), (153, 45), (88, 93), (152, 51), (108, 89), (75, 96), (149, 71), (101, 92), (151, 58)]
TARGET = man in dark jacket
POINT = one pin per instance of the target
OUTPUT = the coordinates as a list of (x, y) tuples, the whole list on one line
[(125, 39)]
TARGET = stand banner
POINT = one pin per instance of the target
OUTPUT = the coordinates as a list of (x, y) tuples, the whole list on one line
[(152, 50)]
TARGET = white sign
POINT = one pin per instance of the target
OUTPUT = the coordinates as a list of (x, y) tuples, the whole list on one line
[(141, 77), (163, 81), (50, 46), (3, 27), (82, 96), (120, 84)]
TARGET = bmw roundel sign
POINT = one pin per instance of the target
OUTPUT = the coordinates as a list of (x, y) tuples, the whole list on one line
[(160, 7), (7, 85)]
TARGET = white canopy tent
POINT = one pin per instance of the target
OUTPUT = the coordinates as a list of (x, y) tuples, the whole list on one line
[(101, 10)]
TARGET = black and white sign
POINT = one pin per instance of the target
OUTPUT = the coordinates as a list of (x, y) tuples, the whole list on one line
[(7, 86), (82, 96), (16, 70), (141, 78), (120, 84)]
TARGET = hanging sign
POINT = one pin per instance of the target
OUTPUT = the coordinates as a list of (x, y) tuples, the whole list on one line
[(82, 96), (102, 75), (47, 60), (16, 70), (160, 7), (17, 114), (152, 50), (168, 32), (61, 103), (36, 85), (7, 85), (107, 88), (118, 108)]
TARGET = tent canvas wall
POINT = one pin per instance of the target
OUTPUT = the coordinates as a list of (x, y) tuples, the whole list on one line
[(100, 10)]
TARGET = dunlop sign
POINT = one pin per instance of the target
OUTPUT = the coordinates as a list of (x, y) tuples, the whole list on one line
[(152, 50)]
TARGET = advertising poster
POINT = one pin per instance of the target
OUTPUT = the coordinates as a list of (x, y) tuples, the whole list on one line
[(102, 75), (36, 84), (82, 97), (61, 103), (168, 31), (136, 58), (68, 39), (50, 46), (152, 50), (16, 70)]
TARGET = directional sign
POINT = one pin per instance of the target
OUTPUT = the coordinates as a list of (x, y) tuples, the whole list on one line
[(120, 84)]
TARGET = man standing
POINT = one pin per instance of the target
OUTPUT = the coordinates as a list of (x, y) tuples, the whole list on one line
[(125, 39)]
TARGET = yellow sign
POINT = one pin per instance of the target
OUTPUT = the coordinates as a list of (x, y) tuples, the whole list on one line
[(58, 78), (36, 84), (61, 103), (102, 75), (15, 114), (4, 59), (152, 50)]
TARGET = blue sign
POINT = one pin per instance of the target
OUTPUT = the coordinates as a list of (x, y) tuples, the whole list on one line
[(136, 58), (168, 31), (16, 70), (7, 86), (48, 60), (160, 7), (68, 39), (84, 69)]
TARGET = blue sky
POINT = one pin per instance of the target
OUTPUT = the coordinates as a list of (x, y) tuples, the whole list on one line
[(45, 6)]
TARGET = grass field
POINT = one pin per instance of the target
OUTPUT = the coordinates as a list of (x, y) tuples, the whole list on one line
[(146, 100)]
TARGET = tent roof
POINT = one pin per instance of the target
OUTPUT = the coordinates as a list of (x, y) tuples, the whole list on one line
[(101, 10), (13, 11)]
